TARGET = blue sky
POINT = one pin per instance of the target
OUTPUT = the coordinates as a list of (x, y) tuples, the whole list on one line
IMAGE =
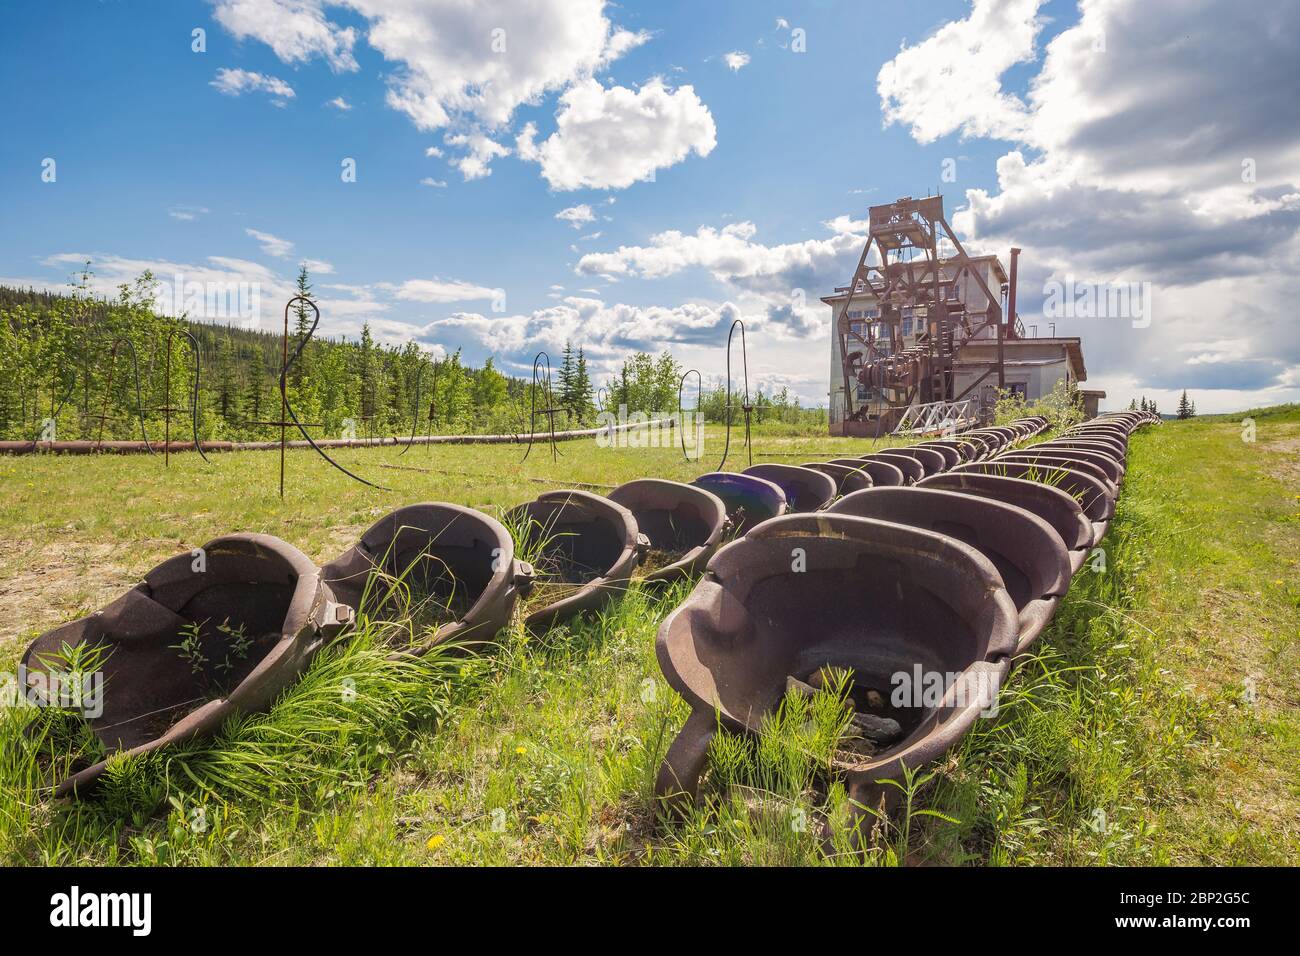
[(227, 162)]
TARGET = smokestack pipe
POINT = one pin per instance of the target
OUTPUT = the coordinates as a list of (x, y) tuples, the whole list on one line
[(1010, 323), (1011, 290)]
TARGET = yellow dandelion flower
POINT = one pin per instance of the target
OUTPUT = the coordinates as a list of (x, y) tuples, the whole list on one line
[(435, 841)]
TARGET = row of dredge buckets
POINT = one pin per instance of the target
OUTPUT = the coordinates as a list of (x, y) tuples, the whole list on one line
[(946, 557)]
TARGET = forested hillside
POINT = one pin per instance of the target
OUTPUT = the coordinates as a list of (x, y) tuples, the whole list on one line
[(67, 359)]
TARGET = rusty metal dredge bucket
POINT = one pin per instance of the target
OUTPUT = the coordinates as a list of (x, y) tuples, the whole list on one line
[(1049, 459), (255, 612), (876, 598), (1114, 438), (806, 489), (1030, 556), (1097, 505), (452, 567), (932, 460), (588, 548), (748, 498), (1110, 469), (966, 450), (952, 453), (1113, 450), (684, 523), (1053, 505), (847, 478), (993, 439), (911, 467), (1037, 424), (881, 472), (1116, 433), (990, 444), (1129, 420)]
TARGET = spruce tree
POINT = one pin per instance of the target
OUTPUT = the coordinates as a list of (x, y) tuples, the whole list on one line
[(582, 388), (624, 389), (227, 382), (301, 326), (366, 376), (568, 376), (1185, 408), (256, 384), (454, 387)]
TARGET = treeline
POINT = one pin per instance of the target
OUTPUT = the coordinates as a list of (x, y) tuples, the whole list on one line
[(67, 372), (1145, 406)]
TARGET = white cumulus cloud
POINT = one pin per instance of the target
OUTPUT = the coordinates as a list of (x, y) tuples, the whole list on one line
[(443, 291), (953, 79), (576, 216), (735, 60), (612, 138), (271, 245), (453, 58), (237, 82), (1143, 156), (732, 256), (297, 30), (480, 150)]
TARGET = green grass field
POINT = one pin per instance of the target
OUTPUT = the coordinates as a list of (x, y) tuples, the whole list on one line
[(1158, 722)]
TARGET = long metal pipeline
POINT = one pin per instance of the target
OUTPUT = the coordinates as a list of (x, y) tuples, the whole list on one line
[(88, 447)]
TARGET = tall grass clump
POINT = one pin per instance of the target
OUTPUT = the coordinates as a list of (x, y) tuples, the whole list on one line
[(326, 738), (1062, 406), (1086, 735), (775, 799)]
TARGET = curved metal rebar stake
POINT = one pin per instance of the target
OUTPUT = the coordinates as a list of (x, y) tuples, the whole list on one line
[(108, 391), (549, 411), (415, 408), (744, 356), (284, 393), (602, 404), (681, 414), (194, 399)]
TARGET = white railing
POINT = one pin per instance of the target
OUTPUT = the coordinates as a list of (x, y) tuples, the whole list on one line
[(943, 417)]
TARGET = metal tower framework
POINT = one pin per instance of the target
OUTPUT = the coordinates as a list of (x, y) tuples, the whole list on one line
[(906, 273)]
